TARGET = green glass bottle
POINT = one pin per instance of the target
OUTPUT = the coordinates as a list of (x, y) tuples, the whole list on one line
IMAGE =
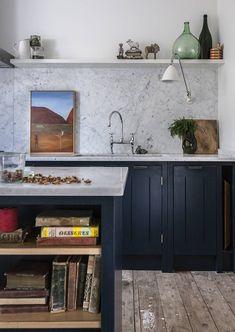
[(187, 45), (205, 40)]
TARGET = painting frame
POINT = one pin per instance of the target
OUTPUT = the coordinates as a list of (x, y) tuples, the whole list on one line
[(68, 132)]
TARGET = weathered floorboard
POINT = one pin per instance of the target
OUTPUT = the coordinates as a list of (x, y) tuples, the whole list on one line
[(185, 301), (136, 304), (198, 313), (127, 302), (173, 308), (226, 286), (150, 306), (219, 308)]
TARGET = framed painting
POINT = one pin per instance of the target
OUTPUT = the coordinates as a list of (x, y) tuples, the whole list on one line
[(52, 122)]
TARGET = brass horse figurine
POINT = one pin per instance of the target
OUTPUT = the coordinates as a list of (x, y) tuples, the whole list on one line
[(153, 48)]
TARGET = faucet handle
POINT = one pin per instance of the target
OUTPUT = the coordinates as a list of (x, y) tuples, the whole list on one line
[(111, 142), (132, 138)]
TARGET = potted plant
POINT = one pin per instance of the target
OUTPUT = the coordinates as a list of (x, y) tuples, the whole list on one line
[(185, 129)]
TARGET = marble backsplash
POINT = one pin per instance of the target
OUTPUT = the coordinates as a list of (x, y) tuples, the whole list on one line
[(147, 105)]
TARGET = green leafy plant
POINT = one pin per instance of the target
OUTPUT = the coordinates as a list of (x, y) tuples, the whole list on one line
[(182, 127)]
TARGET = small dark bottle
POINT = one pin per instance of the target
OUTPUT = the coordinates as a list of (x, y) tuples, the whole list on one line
[(205, 40)]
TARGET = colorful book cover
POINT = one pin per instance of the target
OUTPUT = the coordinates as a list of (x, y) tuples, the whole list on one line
[(92, 231)]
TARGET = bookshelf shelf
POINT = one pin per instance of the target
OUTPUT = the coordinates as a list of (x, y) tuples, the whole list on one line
[(109, 209), (30, 248), (73, 319)]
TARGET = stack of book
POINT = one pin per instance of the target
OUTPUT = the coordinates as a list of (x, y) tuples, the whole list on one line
[(75, 283), (67, 227), (27, 288)]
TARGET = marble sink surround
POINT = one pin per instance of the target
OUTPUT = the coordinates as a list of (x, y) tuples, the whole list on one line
[(147, 104), (106, 181), (155, 157)]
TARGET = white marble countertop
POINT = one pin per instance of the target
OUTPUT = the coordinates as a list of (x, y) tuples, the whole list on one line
[(106, 181), (136, 157)]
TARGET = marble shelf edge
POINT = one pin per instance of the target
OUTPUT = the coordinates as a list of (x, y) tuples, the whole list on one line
[(44, 63)]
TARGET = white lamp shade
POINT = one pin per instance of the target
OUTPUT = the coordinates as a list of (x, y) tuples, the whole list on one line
[(170, 74)]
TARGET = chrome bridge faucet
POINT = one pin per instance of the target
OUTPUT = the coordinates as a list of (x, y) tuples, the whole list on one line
[(121, 140)]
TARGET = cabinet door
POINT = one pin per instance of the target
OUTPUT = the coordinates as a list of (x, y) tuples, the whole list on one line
[(142, 211), (194, 210)]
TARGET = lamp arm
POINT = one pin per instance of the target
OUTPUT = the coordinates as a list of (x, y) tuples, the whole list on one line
[(176, 56)]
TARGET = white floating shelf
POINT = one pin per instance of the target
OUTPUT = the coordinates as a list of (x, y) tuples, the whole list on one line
[(63, 63)]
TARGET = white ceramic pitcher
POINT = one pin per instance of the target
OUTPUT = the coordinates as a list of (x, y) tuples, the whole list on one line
[(22, 49)]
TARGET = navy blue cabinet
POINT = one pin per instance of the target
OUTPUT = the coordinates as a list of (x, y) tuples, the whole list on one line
[(142, 211), (194, 216), (194, 210)]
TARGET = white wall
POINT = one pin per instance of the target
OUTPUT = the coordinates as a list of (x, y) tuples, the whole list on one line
[(226, 10), (92, 29)]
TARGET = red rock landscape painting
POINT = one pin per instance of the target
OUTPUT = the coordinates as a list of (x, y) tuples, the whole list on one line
[(52, 121)]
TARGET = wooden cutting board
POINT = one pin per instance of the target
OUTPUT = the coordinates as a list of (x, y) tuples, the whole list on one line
[(207, 137)]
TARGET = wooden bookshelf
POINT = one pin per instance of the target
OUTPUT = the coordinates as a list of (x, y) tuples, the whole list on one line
[(30, 248), (73, 319)]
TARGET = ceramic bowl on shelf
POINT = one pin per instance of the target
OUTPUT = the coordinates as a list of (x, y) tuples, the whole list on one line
[(12, 167)]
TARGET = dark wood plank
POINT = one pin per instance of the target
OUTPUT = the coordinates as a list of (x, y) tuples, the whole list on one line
[(198, 313), (150, 306), (219, 308), (174, 311)]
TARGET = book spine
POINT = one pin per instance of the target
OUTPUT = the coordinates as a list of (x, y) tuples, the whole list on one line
[(50, 221), (68, 241), (81, 283), (92, 231), (87, 290), (58, 287), (72, 271), (94, 304), (14, 293), (13, 309), (23, 301)]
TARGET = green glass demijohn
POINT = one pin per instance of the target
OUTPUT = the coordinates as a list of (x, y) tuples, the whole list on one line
[(187, 45), (205, 40)]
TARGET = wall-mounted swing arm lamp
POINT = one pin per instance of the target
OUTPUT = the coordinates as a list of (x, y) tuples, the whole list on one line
[(171, 75)]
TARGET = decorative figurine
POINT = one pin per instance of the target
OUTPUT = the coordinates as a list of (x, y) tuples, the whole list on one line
[(134, 52), (120, 52), (153, 48), (134, 46)]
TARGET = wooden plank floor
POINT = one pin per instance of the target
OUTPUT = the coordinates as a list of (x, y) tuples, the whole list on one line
[(178, 302)]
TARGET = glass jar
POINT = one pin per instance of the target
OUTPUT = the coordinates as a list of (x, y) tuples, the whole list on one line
[(187, 45), (37, 52), (12, 167)]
